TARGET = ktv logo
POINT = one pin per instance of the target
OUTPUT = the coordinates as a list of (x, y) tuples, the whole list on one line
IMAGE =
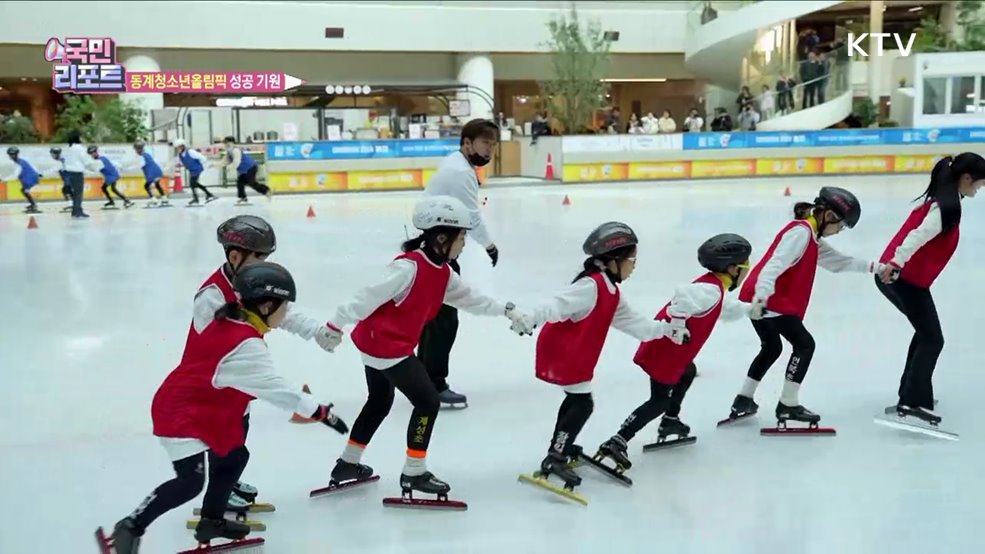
[(85, 65)]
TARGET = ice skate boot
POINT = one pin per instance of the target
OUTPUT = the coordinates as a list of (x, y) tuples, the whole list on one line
[(245, 491), (193, 202), (923, 414), (346, 475), (164, 202), (65, 209), (558, 465), (915, 419), (425, 483), (126, 537), (211, 198), (615, 448), (109, 205), (671, 427), (243, 202), (452, 400), (799, 413), (742, 408), (152, 203), (128, 204), (32, 209), (210, 529)]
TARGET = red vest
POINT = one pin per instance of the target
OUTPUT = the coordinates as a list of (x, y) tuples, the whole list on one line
[(665, 361), (394, 329), (793, 287), (567, 351), (926, 263), (219, 280), (187, 405)]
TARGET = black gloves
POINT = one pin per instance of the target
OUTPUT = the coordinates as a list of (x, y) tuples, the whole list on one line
[(493, 254), (324, 414)]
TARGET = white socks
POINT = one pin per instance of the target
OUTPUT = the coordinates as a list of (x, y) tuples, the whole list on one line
[(353, 453), (415, 466), (791, 394), (749, 387)]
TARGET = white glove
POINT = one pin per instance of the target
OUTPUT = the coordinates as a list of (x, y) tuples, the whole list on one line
[(677, 331), (756, 308), (522, 324), (888, 273), (329, 337)]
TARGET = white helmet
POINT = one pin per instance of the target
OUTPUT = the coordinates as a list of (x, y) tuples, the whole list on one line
[(178, 142), (441, 211)]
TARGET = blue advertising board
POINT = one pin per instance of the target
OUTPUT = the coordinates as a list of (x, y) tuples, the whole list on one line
[(834, 137), (360, 149)]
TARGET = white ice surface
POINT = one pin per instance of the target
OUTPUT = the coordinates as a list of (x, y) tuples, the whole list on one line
[(96, 314)]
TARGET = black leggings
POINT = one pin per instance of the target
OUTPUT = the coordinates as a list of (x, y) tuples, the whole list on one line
[(571, 418), (156, 183), (193, 182), (916, 387), (30, 199), (188, 483), (112, 186), (664, 400), (249, 178), (770, 329), (437, 339), (410, 378)]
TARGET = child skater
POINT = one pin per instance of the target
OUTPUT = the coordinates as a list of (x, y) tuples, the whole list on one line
[(246, 240), (389, 317), (671, 366), (152, 175), (195, 163), (110, 176), (199, 407), (24, 172), (779, 288), (56, 155), (914, 258), (577, 322)]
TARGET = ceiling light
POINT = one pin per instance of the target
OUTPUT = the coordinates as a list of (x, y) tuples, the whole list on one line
[(915, 9), (640, 80)]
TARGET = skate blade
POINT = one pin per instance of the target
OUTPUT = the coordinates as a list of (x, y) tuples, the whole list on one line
[(194, 205), (666, 444), (324, 491), (254, 525), (798, 431), (110, 208), (548, 486), (105, 544), (916, 426), (730, 419), (243, 204), (454, 406), (243, 545), (256, 508), (427, 504), (609, 472)]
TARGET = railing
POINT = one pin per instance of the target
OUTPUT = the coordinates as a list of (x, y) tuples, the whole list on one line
[(836, 82), (698, 14)]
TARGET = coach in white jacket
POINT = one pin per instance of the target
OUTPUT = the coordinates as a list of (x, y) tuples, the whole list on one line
[(456, 176)]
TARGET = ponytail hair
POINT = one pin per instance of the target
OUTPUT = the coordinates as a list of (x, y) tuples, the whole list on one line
[(236, 311), (410, 245), (592, 266), (803, 210), (230, 310), (943, 186), (597, 264), (429, 238)]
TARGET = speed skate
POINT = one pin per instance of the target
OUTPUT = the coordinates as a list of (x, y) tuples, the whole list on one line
[(337, 486), (897, 419), (244, 546), (425, 483), (538, 479)]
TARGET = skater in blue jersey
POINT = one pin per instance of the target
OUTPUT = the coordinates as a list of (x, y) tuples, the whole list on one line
[(24, 172), (110, 177)]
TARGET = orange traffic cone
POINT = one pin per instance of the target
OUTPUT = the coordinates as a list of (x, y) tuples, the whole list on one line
[(549, 171), (32, 223), (786, 192), (298, 418), (566, 201), (311, 211)]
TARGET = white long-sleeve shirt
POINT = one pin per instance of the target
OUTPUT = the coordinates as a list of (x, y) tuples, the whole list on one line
[(193, 154), (456, 177), (577, 300), (249, 368), (791, 248), (695, 299), (211, 299), (12, 173), (396, 285), (75, 158), (930, 227)]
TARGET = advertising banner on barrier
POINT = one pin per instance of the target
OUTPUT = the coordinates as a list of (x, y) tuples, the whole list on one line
[(723, 168), (621, 143), (656, 171), (789, 166), (590, 173), (834, 137), (360, 149), (858, 164)]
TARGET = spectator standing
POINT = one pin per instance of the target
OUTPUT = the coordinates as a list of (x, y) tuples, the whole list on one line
[(748, 118), (666, 123), (744, 98), (722, 121), (767, 103), (823, 70), (694, 123)]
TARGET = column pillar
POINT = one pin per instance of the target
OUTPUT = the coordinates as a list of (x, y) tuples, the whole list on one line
[(874, 62), (476, 71), (148, 101)]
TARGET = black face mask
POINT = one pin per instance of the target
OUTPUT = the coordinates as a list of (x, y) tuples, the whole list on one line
[(478, 160)]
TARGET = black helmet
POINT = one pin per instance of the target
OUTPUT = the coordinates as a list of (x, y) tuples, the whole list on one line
[(842, 202), (247, 232), (608, 237), (721, 251), (13, 151), (265, 281), (92, 149), (139, 145), (55, 151)]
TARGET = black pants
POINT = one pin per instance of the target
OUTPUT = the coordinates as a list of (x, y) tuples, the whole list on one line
[(821, 89), (571, 418), (770, 329), (664, 400), (810, 90), (193, 182), (188, 483), (916, 387), (77, 187), (112, 186), (30, 199), (437, 339), (155, 183), (249, 178), (410, 378)]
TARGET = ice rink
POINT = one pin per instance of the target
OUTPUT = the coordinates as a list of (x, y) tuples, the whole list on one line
[(97, 313)]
